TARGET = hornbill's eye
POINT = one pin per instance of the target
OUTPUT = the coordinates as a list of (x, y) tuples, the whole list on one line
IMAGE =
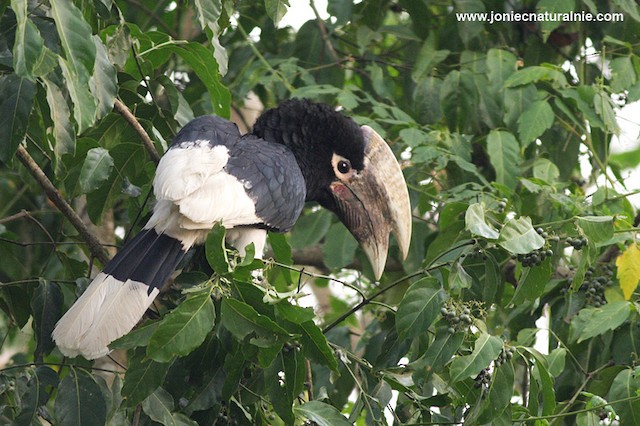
[(344, 167)]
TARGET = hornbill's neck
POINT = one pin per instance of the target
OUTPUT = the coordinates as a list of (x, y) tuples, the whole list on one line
[(314, 133)]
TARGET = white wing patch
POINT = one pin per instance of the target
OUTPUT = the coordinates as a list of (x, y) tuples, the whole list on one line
[(194, 192)]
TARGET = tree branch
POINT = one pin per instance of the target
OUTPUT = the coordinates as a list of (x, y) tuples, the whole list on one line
[(133, 121), (95, 247)]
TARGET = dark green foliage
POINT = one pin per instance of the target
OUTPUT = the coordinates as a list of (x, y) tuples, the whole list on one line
[(494, 124)]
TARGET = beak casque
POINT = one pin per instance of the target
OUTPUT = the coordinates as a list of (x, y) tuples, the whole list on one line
[(375, 202)]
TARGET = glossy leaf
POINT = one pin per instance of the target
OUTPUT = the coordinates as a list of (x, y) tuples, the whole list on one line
[(486, 349), (183, 329), (476, 222), (46, 305), (285, 381), (628, 264), (518, 236), (537, 118), (504, 154), (276, 9), (28, 48), (63, 130), (322, 414), (598, 229), (535, 74), (80, 400), (626, 385), (143, 377), (216, 250), (419, 307), (95, 169), (16, 101), (103, 82), (159, 407), (75, 37), (243, 321), (591, 322), (35, 394)]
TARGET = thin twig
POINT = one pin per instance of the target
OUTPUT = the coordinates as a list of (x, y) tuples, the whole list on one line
[(133, 121), (324, 33), (95, 247)]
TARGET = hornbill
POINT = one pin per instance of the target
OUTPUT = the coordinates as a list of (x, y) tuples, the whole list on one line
[(299, 151)]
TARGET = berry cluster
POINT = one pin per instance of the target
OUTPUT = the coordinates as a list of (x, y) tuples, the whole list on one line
[(577, 243), (594, 285), (505, 355), (457, 320), (535, 257), (502, 205), (483, 379)]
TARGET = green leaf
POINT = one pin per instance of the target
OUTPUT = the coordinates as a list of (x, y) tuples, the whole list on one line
[(545, 170), (626, 385), (143, 377), (458, 99), (84, 103), (285, 381), (276, 9), (242, 321), (28, 47), (203, 63), (500, 65), (140, 336), (310, 229), (630, 7), (419, 307), (504, 153), (315, 346), (183, 329), (486, 349), (591, 322), (103, 82), (16, 101), (604, 109), (499, 394), (553, 6), (516, 100), (46, 304), (518, 236), (159, 407), (536, 73), (468, 30), (541, 378), (339, 247), (96, 169), (439, 353), (34, 394), (623, 75), (537, 118), (458, 278), (216, 251), (64, 134), (75, 37), (80, 401), (557, 361), (598, 229), (322, 414), (532, 283), (208, 12)]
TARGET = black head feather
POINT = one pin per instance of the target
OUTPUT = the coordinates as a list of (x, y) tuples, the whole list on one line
[(313, 132)]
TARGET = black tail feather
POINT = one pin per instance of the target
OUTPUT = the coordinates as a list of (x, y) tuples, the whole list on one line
[(148, 258)]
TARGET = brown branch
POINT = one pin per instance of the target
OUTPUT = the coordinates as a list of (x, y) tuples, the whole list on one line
[(323, 32), (133, 121), (95, 247)]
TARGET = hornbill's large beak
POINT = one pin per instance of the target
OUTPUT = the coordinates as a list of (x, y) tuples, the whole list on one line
[(375, 202)]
